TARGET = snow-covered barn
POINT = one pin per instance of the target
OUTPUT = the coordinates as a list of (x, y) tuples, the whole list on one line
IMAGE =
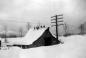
[(45, 39), (29, 38)]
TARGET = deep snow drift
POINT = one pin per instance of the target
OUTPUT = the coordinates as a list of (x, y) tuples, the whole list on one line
[(73, 47)]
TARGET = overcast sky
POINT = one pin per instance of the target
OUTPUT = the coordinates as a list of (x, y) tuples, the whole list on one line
[(41, 10)]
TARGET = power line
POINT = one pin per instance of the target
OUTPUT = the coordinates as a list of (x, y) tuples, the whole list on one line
[(57, 19)]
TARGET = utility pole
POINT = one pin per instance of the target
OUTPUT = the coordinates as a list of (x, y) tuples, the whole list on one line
[(56, 18), (4, 43), (5, 29)]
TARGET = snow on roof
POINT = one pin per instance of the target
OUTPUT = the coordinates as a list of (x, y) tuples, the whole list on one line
[(30, 37), (33, 35)]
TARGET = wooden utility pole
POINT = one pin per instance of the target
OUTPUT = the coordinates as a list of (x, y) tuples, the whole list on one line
[(5, 29), (56, 18)]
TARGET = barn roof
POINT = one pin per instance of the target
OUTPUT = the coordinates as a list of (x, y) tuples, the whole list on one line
[(30, 37)]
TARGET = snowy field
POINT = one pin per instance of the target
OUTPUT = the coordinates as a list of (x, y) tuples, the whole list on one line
[(73, 47)]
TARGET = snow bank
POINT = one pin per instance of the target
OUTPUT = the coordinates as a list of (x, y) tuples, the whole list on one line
[(73, 47), (32, 53), (11, 53), (74, 38)]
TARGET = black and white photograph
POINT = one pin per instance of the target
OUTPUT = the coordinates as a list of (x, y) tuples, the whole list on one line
[(42, 28)]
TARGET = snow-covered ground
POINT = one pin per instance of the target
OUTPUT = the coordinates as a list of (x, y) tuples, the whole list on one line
[(73, 47)]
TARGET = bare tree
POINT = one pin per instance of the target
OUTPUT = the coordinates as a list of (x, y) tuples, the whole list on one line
[(81, 27), (66, 28), (28, 26), (21, 32)]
